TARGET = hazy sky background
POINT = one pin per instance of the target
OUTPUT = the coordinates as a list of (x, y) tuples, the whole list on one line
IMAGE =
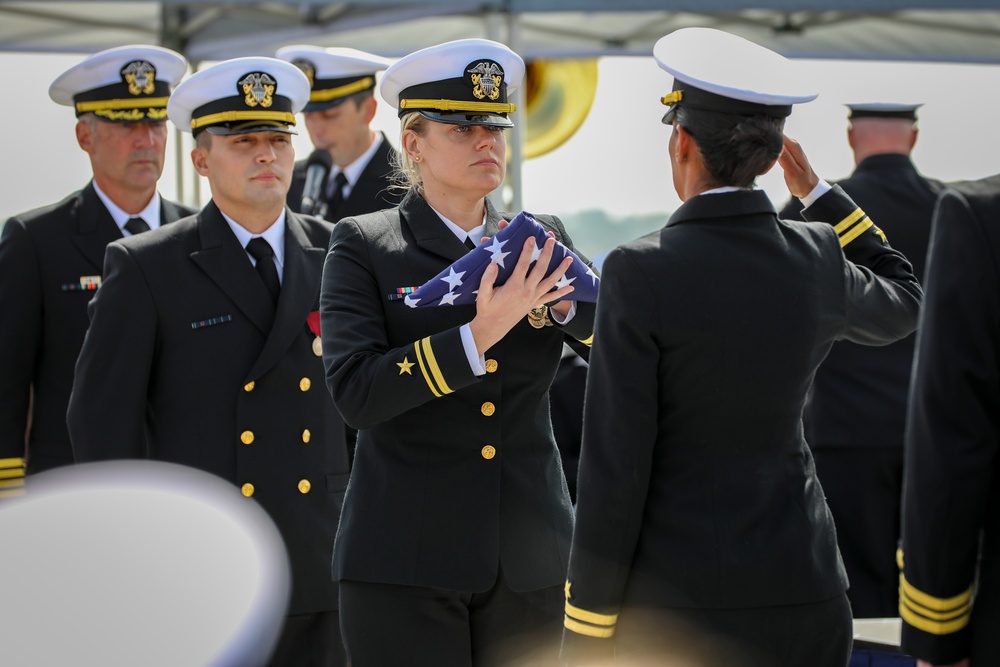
[(616, 161)]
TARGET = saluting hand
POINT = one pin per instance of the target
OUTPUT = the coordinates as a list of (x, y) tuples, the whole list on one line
[(799, 175), (498, 309)]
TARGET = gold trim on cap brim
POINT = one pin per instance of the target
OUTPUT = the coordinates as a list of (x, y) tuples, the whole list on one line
[(327, 94), (454, 105), (233, 116)]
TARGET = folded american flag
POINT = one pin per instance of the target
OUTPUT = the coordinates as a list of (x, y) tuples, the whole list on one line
[(459, 283)]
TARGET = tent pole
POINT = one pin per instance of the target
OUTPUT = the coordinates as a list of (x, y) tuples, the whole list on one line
[(517, 133)]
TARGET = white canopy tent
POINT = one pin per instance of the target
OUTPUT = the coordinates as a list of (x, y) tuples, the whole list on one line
[(936, 30), (965, 31)]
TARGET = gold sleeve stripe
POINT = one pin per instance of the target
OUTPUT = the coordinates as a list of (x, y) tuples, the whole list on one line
[(11, 473), (899, 559), (589, 342), (432, 365), (937, 604), (423, 369), (11, 493), (848, 221), (858, 230), (590, 616), (949, 615), (589, 630), (11, 483), (933, 627), (16, 462)]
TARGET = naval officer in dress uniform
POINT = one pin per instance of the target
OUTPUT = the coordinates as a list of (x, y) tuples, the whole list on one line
[(206, 334), (51, 258), (338, 118), (949, 591), (455, 533), (707, 511), (856, 412)]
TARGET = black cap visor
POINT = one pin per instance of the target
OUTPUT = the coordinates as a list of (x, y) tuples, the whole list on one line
[(246, 127), (467, 118)]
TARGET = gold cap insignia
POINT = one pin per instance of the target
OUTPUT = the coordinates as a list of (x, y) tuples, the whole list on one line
[(486, 78), (258, 89), (308, 68), (140, 76)]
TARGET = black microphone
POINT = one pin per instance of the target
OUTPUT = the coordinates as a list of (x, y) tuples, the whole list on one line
[(318, 168)]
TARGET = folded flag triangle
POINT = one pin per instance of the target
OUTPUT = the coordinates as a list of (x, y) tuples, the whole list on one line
[(459, 283)]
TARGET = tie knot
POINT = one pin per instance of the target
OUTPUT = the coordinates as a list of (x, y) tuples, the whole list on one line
[(260, 249), (335, 192), (136, 226)]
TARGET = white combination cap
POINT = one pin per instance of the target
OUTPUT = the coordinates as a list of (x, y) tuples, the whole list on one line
[(465, 82), (126, 84), (335, 73), (714, 70), (241, 95)]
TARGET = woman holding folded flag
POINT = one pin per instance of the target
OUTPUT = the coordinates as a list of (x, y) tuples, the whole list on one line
[(454, 539)]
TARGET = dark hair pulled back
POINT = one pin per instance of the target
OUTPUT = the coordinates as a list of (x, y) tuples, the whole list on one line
[(735, 148)]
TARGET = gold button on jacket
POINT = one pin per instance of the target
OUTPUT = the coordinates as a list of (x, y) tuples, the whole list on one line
[(489, 451), (246, 437), (247, 489), (488, 409), (491, 365), (248, 387), (306, 435), (304, 486), (304, 384)]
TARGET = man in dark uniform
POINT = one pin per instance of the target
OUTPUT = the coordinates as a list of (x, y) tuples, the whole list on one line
[(51, 257), (338, 117), (950, 559), (857, 406), (206, 333)]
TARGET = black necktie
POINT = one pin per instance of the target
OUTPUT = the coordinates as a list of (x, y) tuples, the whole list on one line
[(469, 243), (337, 192), (262, 252), (136, 226)]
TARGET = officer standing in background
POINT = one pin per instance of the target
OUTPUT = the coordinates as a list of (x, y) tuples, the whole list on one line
[(950, 560), (51, 257), (338, 117), (207, 334), (857, 406)]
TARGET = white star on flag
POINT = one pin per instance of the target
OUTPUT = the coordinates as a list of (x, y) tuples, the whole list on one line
[(537, 252), (497, 257), (410, 301), (453, 279), (449, 299), (564, 282)]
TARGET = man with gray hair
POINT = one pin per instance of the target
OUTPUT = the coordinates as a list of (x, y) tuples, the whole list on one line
[(51, 257)]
